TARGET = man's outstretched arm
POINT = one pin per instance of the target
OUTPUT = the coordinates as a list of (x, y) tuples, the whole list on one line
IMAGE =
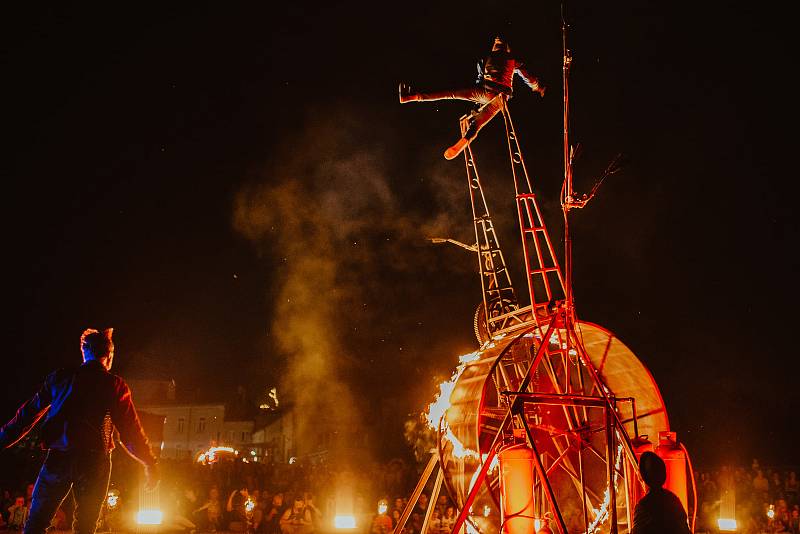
[(132, 434), (529, 79), (26, 417)]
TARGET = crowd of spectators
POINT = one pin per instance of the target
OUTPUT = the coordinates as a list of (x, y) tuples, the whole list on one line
[(230, 495), (765, 499), (233, 496)]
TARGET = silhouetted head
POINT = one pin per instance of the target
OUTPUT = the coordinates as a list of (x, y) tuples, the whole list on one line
[(653, 469), (96, 345)]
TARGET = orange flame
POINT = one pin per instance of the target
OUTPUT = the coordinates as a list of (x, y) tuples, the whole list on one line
[(441, 403)]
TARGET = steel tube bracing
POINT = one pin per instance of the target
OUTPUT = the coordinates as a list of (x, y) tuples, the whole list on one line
[(412, 502)]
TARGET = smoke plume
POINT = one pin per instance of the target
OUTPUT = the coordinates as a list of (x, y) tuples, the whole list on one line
[(330, 217)]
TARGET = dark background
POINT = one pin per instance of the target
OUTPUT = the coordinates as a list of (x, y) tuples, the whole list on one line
[(132, 133)]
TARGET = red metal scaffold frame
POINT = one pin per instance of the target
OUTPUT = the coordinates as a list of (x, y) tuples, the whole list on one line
[(552, 369)]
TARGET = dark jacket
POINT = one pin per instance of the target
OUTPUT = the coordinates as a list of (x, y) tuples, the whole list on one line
[(80, 407), (498, 69), (659, 512)]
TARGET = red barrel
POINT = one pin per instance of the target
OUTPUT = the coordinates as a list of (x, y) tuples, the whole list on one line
[(516, 489), (675, 459)]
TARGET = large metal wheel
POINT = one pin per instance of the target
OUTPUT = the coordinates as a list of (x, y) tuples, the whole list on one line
[(571, 440)]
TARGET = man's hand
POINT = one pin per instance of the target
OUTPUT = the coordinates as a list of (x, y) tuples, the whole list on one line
[(541, 90), (151, 477)]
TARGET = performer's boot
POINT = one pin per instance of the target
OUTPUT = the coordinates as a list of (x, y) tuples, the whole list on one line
[(462, 143), (405, 94), (456, 149)]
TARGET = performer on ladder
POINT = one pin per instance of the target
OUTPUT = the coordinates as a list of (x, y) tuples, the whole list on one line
[(495, 79)]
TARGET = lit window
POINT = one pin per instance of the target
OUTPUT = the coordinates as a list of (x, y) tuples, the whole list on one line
[(181, 425), (201, 425)]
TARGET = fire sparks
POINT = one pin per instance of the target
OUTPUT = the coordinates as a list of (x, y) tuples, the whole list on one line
[(601, 514), (210, 456)]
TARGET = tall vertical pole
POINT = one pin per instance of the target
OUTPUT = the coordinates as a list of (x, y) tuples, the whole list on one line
[(566, 190)]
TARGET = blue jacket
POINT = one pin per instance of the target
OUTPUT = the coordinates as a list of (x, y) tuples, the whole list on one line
[(80, 407)]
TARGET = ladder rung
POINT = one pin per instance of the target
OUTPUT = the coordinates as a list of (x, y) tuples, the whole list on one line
[(545, 270)]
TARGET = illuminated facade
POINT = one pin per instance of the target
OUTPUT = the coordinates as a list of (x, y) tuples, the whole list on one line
[(191, 427)]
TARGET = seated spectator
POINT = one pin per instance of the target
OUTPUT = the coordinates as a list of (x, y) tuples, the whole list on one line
[(258, 520), (185, 505), (792, 486), (441, 504), (273, 516), (17, 514), (395, 518), (794, 521), (381, 523), (449, 518), (212, 511), (296, 520), (235, 507), (760, 482), (776, 486), (314, 512), (422, 505), (435, 524)]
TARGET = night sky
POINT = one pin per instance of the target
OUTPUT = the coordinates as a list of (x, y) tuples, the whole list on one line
[(224, 183)]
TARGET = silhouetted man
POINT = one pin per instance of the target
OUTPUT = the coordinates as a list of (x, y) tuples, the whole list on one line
[(80, 406), (660, 511), (495, 77)]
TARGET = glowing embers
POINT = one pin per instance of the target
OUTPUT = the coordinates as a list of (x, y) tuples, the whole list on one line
[(149, 517)]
